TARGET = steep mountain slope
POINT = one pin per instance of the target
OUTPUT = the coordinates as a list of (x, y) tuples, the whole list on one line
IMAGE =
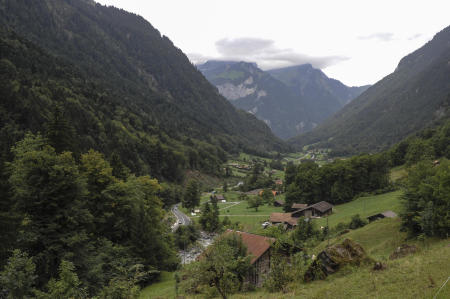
[(253, 90), (415, 95), (316, 87), (290, 100), (142, 94)]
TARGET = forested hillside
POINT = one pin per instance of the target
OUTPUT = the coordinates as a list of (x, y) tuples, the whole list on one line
[(406, 101), (95, 106), (121, 86)]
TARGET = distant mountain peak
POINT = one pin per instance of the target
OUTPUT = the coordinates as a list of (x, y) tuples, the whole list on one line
[(290, 100)]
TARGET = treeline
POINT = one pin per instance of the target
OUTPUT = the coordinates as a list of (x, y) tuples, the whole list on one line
[(431, 143), (69, 216), (336, 182), (427, 187)]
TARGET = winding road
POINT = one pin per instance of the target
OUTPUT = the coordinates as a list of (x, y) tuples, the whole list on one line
[(182, 219)]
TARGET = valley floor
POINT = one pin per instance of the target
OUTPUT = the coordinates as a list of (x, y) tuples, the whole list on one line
[(416, 276)]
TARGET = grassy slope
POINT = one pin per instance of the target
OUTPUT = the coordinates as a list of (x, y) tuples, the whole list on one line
[(416, 276), (364, 206), (163, 289)]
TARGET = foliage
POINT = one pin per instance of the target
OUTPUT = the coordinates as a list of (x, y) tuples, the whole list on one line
[(186, 235), (77, 211), (279, 276), (18, 278), (267, 196), (67, 286), (256, 179), (427, 199), (254, 202), (138, 97), (357, 222), (124, 285), (306, 229), (431, 143), (209, 218), (337, 182), (223, 266), (191, 197)]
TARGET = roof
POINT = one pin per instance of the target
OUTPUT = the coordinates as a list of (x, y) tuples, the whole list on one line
[(299, 206), (321, 206), (256, 245), (389, 214), (279, 182), (254, 192), (283, 218), (220, 197)]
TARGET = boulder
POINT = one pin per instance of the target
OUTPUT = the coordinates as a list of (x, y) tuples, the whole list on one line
[(331, 259)]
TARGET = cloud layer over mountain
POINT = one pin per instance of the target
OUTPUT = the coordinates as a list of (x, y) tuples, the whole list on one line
[(265, 53)]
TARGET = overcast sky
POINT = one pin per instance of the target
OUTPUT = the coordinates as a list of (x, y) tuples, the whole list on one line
[(357, 42)]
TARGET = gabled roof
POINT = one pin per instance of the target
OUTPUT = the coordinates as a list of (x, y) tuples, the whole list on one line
[(321, 206), (220, 197), (299, 206), (283, 218), (256, 245)]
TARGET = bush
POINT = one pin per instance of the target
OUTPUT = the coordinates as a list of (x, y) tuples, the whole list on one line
[(357, 222), (279, 276)]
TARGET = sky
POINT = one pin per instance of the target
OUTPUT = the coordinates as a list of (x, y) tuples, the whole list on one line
[(357, 42)]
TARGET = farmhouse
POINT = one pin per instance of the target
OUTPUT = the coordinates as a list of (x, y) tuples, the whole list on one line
[(319, 209), (283, 218), (259, 248), (385, 214), (219, 197)]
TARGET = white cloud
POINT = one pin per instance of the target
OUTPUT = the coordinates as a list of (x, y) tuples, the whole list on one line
[(323, 32), (381, 36), (265, 53)]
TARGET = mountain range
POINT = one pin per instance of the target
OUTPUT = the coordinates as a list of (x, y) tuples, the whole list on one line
[(290, 100), (416, 95), (122, 87)]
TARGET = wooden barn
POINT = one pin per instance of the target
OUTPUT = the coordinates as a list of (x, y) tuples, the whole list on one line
[(319, 209), (259, 247)]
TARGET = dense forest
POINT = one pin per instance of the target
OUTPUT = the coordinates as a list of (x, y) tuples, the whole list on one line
[(61, 213), (100, 118), (336, 182), (122, 86), (342, 180)]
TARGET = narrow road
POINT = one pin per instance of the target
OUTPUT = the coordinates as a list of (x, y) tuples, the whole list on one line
[(182, 219)]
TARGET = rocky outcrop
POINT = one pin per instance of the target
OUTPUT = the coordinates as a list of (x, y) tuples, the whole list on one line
[(334, 257)]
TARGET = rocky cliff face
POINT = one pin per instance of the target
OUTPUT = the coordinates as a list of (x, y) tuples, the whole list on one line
[(291, 101)]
